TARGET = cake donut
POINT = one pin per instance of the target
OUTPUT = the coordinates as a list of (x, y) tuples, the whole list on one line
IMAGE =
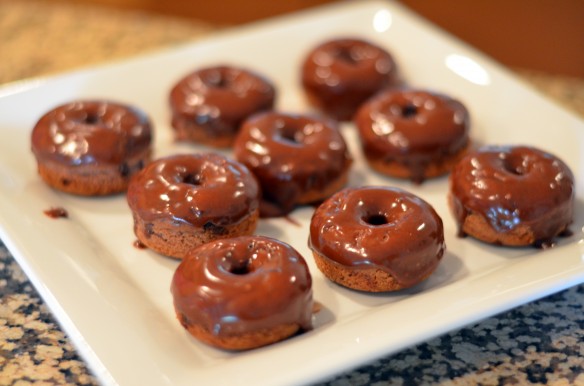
[(182, 201), (512, 196), (413, 134), (339, 75), (376, 239), (91, 147), (297, 159), (243, 293), (209, 104)]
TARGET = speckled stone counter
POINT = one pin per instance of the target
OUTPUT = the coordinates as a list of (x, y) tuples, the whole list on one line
[(539, 343)]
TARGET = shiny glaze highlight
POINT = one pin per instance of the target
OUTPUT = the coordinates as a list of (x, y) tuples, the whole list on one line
[(243, 284), (382, 227), (91, 133), (196, 189)]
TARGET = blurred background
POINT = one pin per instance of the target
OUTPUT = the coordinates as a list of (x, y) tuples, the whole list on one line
[(545, 35), (39, 37)]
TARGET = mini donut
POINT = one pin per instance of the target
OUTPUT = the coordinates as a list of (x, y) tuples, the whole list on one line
[(297, 159), (182, 201), (512, 196), (209, 105), (340, 74), (91, 148), (376, 239), (243, 293), (413, 134)]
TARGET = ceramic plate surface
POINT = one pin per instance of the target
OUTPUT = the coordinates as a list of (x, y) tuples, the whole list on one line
[(114, 299)]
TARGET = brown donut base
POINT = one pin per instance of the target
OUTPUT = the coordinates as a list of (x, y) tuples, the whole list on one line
[(476, 226), (91, 180), (313, 196), (317, 195), (362, 279), (334, 109), (176, 241), (398, 169), (185, 130), (243, 341)]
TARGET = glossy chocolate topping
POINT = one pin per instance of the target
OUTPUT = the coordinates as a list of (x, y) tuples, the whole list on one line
[(412, 127), (379, 227), (514, 185), (217, 99), (91, 132), (290, 155), (57, 212), (196, 189), (243, 284), (342, 73)]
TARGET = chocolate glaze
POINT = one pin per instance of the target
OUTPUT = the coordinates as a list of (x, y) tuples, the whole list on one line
[(216, 100), (199, 189), (243, 284), (56, 212), (290, 155), (413, 128), (139, 245), (91, 132), (381, 227), (339, 75), (511, 186)]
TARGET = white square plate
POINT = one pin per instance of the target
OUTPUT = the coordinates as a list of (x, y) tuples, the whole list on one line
[(114, 299)]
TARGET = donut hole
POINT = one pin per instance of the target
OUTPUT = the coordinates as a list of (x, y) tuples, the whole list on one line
[(409, 110), (240, 268), (191, 179), (515, 164), (217, 80), (89, 118), (375, 219), (237, 266), (345, 54), (289, 134)]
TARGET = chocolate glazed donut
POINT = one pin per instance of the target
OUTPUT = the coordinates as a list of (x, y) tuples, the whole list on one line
[(376, 238), (243, 292), (91, 147), (340, 74), (297, 159), (413, 134), (512, 195), (209, 105), (182, 201)]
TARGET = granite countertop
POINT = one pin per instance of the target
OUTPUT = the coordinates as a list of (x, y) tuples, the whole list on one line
[(539, 343)]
